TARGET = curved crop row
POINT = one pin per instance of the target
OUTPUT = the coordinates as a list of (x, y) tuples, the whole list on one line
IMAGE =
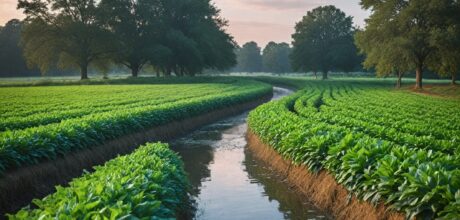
[(415, 174), (31, 145), (149, 183), (39, 108)]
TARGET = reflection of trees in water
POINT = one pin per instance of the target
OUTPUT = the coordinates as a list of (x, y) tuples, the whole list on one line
[(292, 205), (196, 160), (196, 164)]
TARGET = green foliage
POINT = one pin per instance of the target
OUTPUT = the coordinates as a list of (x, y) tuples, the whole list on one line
[(38, 127), (149, 183), (64, 33), (403, 35), (12, 61), (408, 159), (323, 41), (249, 58), (180, 36), (130, 22), (275, 58)]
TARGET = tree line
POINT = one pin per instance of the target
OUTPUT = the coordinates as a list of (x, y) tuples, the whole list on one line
[(416, 35), (184, 37), (400, 37), (274, 58), (173, 36)]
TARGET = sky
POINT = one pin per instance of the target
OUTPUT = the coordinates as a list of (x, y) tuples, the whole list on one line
[(251, 20)]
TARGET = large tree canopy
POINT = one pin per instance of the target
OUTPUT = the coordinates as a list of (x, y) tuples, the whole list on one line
[(275, 58), (323, 41), (65, 32), (194, 37), (131, 23), (402, 35), (179, 36)]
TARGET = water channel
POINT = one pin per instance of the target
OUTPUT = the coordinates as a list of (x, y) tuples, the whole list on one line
[(229, 183)]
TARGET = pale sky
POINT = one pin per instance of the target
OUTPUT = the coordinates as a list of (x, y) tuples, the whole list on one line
[(251, 20)]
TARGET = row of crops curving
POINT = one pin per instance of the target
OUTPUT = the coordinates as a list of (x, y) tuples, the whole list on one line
[(42, 123), (388, 146), (39, 123)]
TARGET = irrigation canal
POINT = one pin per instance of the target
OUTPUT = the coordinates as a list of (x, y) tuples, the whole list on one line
[(229, 183)]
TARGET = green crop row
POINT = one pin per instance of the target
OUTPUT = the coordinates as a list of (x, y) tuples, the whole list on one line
[(150, 183), (34, 144), (33, 106), (415, 173)]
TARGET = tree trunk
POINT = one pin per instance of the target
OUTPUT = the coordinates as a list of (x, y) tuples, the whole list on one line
[(134, 70), (325, 75), (398, 83), (454, 78), (158, 73), (418, 77), (84, 71), (168, 72)]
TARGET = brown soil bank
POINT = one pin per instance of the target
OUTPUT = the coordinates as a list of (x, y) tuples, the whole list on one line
[(18, 187), (321, 188)]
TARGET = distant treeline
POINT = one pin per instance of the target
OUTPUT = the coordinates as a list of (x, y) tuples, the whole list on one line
[(279, 58), (12, 62)]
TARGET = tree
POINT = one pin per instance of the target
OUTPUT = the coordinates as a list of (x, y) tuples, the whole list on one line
[(134, 29), (447, 62), (64, 32), (249, 58), (386, 60), (321, 41), (410, 29), (12, 62), (275, 58), (193, 33)]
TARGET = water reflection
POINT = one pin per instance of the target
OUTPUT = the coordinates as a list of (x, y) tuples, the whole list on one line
[(293, 205), (229, 183)]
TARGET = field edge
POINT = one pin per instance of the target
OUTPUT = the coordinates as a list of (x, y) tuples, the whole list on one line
[(322, 189)]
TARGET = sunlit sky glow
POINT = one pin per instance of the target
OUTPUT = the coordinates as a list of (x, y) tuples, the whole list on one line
[(251, 20)]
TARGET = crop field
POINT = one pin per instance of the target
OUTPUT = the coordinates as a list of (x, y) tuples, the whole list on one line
[(149, 183), (383, 145), (42, 122)]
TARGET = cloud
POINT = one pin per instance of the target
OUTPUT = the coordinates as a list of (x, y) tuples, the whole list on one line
[(281, 4)]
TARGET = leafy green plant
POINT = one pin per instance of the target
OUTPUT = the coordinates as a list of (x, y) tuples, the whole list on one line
[(149, 183), (383, 146), (94, 119)]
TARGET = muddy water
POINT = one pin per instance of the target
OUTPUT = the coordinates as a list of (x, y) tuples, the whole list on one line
[(229, 183)]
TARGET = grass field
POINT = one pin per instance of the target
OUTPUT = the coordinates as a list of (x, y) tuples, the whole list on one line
[(382, 144)]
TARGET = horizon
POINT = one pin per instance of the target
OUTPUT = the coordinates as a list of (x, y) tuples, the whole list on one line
[(261, 21)]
